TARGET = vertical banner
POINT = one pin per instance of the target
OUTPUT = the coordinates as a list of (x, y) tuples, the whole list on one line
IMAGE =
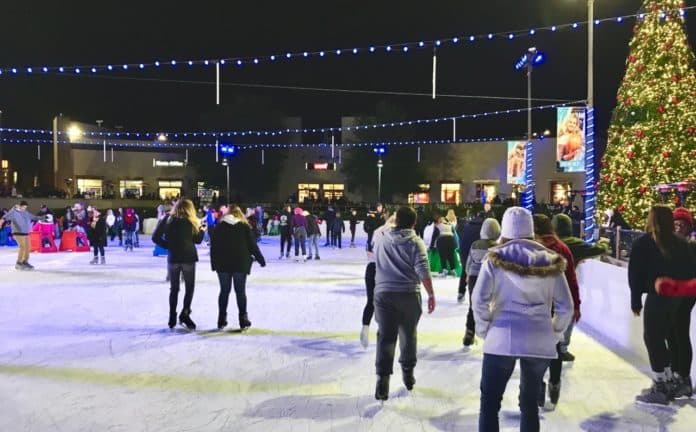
[(570, 142), (516, 155)]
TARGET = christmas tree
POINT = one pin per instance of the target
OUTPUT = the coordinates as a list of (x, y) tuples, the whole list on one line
[(651, 137)]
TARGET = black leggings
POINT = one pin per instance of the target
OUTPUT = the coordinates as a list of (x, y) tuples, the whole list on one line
[(556, 367), (470, 322), (680, 340), (659, 317), (369, 310), (175, 271), (445, 246), (285, 238), (99, 249)]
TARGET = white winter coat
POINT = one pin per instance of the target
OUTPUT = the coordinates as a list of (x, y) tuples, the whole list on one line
[(518, 283)]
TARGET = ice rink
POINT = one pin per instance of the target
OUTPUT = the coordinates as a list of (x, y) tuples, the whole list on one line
[(86, 348)]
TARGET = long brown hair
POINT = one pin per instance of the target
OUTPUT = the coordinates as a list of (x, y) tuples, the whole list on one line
[(660, 226), (184, 209), (234, 210)]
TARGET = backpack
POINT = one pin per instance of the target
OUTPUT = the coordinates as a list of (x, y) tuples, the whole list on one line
[(129, 217)]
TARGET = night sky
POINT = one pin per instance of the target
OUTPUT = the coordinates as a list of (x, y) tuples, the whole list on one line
[(41, 33)]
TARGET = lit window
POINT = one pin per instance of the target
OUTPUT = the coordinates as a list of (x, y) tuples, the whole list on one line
[(450, 193), (90, 188)]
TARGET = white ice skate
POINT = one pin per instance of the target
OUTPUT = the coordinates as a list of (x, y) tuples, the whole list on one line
[(365, 336)]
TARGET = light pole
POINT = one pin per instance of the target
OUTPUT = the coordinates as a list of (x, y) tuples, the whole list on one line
[(227, 152), (531, 58), (589, 130), (379, 151)]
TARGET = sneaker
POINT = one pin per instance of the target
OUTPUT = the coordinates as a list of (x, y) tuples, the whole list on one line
[(408, 378), (469, 338), (460, 298), (566, 356), (186, 321), (102, 260), (382, 388), (541, 398), (554, 393), (244, 322), (365, 336), (658, 394), (95, 260), (682, 387)]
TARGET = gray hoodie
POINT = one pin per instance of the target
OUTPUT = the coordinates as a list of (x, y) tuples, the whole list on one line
[(401, 262), (21, 221)]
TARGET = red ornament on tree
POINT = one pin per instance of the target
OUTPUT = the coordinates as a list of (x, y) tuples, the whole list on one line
[(622, 208), (627, 101), (630, 154), (675, 79), (675, 100), (690, 131), (640, 133), (661, 109), (640, 68), (666, 154), (632, 58), (619, 181), (643, 190)]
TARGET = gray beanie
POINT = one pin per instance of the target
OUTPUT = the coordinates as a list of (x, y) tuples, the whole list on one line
[(490, 230)]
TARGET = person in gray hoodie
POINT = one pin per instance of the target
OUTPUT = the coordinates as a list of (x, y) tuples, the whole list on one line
[(22, 222), (490, 231), (401, 263), (519, 283)]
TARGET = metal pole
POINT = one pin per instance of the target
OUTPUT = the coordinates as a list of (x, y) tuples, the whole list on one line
[(217, 83), (333, 142), (529, 153), (590, 53), (454, 129), (379, 180), (228, 182), (217, 150)]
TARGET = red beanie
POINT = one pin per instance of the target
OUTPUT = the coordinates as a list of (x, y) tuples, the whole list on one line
[(684, 215)]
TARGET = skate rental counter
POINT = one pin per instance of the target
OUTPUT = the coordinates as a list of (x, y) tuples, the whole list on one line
[(607, 316)]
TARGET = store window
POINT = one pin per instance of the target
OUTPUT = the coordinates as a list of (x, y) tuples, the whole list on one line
[(421, 196), (560, 192), (307, 192), (131, 188), (450, 193), (333, 192), (90, 188), (486, 192), (169, 189)]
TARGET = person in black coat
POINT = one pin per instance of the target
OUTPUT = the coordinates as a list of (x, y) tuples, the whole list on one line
[(353, 225), (96, 234), (179, 234), (468, 233), (337, 230), (329, 217), (659, 253), (232, 250)]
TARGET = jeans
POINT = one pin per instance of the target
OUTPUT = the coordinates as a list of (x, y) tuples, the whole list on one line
[(98, 250), (680, 341), (129, 238), (563, 345), (659, 314), (314, 241), (226, 280), (285, 237), (300, 239), (495, 374), (175, 271), (369, 310), (397, 314)]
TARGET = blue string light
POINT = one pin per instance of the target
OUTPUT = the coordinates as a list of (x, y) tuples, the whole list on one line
[(401, 46), (590, 177)]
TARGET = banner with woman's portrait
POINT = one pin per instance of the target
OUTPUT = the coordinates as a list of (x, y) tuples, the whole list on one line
[(516, 155), (570, 141)]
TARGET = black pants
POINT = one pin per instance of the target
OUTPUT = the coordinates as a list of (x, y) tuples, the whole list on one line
[(329, 233), (463, 277), (445, 246), (98, 250), (470, 322), (369, 310), (659, 316), (226, 280), (285, 238), (336, 238), (556, 367), (680, 340), (175, 271), (352, 235), (397, 315), (369, 240)]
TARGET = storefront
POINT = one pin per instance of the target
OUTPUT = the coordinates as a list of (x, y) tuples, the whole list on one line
[(333, 192), (421, 196), (169, 189), (131, 188), (450, 193), (90, 187), (486, 190), (307, 191), (560, 191)]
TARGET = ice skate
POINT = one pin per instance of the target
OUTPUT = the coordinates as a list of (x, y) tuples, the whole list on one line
[(460, 298), (365, 336), (102, 261), (541, 399), (309, 257), (658, 394), (382, 388), (27, 266), (682, 387), (408, 378), (95, 260), (554, 393), (469, 338), (222, 321), (316, 258), (244, 322), (172, 320), (304, 258), (186, 321), (280, 257)]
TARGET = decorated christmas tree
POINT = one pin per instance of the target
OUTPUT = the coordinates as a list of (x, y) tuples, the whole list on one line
[(652, 139)]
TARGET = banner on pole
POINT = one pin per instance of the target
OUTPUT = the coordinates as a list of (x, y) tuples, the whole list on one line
[(516, 155), (570, 141)]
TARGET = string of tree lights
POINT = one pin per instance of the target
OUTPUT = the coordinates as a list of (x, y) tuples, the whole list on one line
[(390, 48), (277, 132)]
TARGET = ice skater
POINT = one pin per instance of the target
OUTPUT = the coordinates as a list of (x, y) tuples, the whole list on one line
[(21, 221), (299, 232), (401, 262), (353, 223), (313, 235), (337, 230), (96, 234), (285, 219), (233, 249), (180, 234)]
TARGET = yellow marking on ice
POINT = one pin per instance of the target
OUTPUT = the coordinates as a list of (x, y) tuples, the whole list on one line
[(423, 337), (168, 382)]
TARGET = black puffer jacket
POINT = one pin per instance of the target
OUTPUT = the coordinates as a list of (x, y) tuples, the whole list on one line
[(177, 236), (232, 246), (97, 235)]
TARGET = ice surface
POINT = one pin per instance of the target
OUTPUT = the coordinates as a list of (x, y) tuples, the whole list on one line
[(86, 348)]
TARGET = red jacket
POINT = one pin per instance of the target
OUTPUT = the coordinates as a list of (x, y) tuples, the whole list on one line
[(676, 288), (552, 242)]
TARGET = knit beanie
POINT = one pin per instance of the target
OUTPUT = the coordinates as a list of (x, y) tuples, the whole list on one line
[(683, 214), (562, 225), (542, 225), (490, 229), (517, 224)]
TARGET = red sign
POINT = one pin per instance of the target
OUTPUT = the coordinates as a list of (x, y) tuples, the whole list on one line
[(321, 166)]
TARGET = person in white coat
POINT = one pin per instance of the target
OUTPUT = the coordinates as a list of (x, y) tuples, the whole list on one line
[(519, 283)]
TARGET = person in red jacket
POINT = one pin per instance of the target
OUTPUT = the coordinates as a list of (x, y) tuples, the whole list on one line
[(543, 231)]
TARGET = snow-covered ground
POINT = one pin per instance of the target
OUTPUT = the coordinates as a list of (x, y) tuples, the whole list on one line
[(86, 348)]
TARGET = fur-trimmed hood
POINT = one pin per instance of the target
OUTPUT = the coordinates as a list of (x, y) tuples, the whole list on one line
[(527, 258)]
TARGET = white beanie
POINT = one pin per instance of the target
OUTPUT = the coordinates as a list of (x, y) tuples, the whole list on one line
[(517, 224), (490, 230)]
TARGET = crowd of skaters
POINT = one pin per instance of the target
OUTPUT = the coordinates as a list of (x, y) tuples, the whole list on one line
[(519, 274)]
